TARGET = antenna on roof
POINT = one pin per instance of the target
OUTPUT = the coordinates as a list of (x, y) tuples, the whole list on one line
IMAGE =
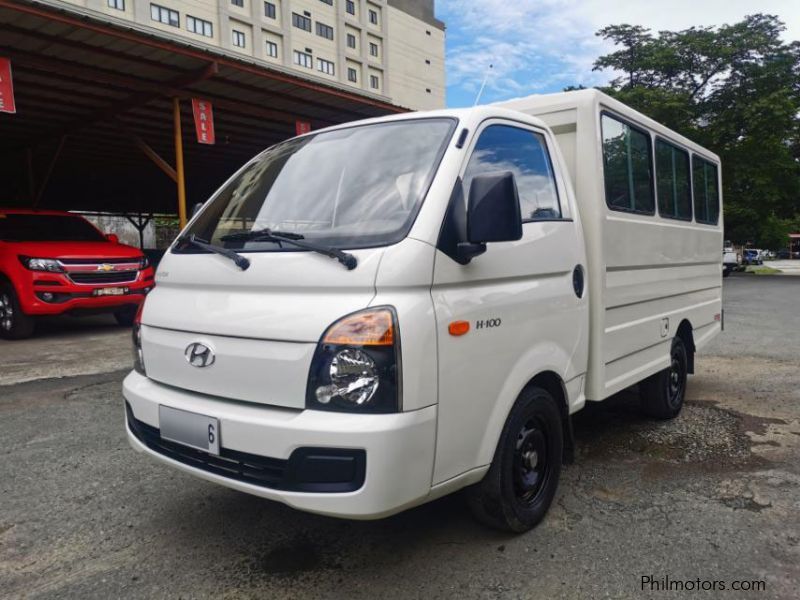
[(483, 85)]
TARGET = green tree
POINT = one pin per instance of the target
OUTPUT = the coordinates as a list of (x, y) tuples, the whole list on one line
[(734, 89)]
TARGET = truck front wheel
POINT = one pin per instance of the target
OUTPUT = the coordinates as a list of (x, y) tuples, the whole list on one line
[(14, 324), (662, 394), (522, 480)]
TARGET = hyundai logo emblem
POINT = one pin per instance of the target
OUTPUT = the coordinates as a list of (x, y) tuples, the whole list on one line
[(199, 355)]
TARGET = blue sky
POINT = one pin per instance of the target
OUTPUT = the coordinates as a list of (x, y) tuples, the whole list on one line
[(541, 46)]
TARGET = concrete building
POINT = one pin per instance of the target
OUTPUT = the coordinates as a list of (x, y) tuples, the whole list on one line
[(390, 49)]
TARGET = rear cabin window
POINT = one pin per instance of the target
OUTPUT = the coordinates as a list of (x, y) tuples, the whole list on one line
[(524, 153), (706, 191), (627, 167), (673, 181)]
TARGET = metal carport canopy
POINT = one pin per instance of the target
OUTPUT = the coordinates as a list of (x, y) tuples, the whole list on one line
[(94, 102)]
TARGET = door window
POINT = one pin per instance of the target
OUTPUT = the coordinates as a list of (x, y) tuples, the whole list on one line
[(524, 153)]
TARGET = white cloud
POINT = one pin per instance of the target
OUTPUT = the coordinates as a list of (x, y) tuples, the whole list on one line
[(555, 39)]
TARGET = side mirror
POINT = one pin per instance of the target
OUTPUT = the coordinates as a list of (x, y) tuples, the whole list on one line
[(196, 208), (493, 213), (113, 238)]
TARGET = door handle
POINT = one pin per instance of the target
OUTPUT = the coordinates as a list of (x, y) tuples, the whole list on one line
[(578, 281)]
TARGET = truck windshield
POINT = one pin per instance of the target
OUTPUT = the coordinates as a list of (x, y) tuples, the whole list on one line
[(47, 228), (355, 187)]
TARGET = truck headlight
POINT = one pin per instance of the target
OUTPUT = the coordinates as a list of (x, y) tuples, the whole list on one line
[(356, 366), (41, 264), (136, 338)]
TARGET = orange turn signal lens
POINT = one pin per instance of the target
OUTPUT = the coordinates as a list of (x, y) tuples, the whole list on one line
[(458, 327), (366, 328)]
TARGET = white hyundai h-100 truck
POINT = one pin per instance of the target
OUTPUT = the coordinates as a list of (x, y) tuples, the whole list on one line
[(373, 315)]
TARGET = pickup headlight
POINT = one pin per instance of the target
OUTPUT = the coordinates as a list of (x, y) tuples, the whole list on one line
[(356, 367), (41, 264), (144, 262)]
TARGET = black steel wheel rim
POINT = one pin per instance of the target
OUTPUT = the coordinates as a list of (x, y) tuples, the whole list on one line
[(531, 461), (676, 379)]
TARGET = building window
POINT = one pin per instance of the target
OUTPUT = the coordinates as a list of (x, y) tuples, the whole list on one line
[(326, 66), (239, 3), (373, 49), (269, 10), (352, 75), (673, 181), (706, 191), (272, 49), (199, 26), (238, 38), (373, 16), (374, 82), (627, 167), (301, 22), (351, 40), (302, 59), (524, 153), (325, 31), (350, 7), (167, 16), (329, 2), (118, 4)]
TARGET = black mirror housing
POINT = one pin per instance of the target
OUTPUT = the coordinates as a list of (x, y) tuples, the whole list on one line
[(493, 213)]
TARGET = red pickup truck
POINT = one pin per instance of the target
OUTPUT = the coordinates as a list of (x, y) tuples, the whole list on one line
[(54, 263)]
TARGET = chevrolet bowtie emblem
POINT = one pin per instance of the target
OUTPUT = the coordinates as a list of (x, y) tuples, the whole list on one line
[(105, 267)]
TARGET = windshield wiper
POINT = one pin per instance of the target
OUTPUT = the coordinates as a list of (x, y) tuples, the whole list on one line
[(240, 260), (256, 233), (295, 239)]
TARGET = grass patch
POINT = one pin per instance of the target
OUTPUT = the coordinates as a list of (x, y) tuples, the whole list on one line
[(762, 270)]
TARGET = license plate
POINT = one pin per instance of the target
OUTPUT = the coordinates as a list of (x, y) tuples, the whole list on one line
[(190, 429), (111, 291)]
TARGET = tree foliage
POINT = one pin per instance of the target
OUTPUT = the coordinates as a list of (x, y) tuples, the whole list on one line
[(734, 89)]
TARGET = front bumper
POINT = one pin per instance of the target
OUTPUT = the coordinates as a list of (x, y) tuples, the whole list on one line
[(70, 297), (399, 447)]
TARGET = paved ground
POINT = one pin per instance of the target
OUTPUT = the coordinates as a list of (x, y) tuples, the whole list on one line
[(713, 495)]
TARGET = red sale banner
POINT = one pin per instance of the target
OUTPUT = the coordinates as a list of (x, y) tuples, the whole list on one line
[(203, 120), (301, 127), (6, 87)]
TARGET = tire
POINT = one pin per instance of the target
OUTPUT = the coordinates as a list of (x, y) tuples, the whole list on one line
[(125, 316), (662, 394), (522, 480), (14, 324)]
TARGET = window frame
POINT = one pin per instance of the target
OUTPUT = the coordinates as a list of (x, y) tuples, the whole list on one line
[(298, 18), (116, 4), (239, 3), (719, 189), (237, 34), (163, 10), (348, 37), (310, 57), (322, 29), (376, 48), (689, 154), (352, 71), (324, 62), (566, 215), (348, 5), (270, 44), (373, 13), (651, 158), (374, 79), (270, 7), (202, 23)]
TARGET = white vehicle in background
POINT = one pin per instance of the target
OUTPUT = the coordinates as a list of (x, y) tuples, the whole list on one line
[(731, 260), (370, 316)]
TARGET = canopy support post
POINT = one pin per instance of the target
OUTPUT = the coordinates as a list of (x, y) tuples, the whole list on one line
[(176, 124)]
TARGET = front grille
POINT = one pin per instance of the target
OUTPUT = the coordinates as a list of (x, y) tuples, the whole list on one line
[(101, 278), (250, 468), (91, 261)]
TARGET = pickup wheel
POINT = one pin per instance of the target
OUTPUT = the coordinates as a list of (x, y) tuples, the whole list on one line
[(662, 394), (14, 324), (522, 480)]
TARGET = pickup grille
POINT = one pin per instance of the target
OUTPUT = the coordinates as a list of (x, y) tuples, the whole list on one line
[(99, 277)]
